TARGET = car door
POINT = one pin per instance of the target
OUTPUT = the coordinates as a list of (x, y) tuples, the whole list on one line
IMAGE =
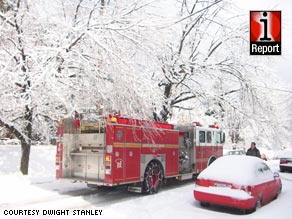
[(266, 183), (273, 183)]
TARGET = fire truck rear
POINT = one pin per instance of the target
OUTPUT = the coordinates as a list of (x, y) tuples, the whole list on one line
[(114, 150)]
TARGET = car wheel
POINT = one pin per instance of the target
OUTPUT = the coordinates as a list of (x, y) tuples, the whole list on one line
[(204, 204), (259, 202), (247, 211), (278, 192)]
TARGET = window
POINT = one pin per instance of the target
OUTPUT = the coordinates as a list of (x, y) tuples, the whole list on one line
[(202, 136), (187, 139), (264, 171), (186, 135), (209, 137), (218, 137)]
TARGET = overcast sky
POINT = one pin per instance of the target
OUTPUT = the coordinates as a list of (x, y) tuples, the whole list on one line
[(284, 64)]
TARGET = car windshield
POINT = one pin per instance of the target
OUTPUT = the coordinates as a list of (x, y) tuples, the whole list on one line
[(235, 152)]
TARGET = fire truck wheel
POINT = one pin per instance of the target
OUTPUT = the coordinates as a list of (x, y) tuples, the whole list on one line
[(152, 177)]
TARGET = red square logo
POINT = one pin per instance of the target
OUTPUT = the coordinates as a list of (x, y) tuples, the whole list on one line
[(265, 32)]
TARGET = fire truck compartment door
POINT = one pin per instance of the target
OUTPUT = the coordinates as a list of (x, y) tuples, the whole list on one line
[(88, 167)]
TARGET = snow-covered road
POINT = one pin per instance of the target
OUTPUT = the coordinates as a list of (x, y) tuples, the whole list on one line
[(39, 191)]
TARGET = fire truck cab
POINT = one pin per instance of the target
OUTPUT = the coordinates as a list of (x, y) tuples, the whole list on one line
[(113, 150)]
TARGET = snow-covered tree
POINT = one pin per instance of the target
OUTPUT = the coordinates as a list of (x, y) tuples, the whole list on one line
[(200, 58), (57, 57), (206, 70), (60, 56)]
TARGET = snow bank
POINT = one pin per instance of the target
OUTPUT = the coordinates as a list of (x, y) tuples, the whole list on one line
[(40, 190), (42, 161), (40, 181)]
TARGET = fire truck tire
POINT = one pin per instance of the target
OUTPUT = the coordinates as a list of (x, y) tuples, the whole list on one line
[(153, 177)]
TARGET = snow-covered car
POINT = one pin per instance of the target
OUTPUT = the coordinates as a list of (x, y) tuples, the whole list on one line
[(235, 152), (286, 160), (243, 182)]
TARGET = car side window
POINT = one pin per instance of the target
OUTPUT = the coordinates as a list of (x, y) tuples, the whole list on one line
[(266, 169), (263, 171), (259, 170)]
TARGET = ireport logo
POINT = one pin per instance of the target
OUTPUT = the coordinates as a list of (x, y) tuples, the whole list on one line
[(265, 32)]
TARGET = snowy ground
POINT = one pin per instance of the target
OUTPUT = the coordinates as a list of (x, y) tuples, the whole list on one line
[(39, 191)]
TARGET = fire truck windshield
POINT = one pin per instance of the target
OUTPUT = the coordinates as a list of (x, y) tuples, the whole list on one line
[(220, 137)]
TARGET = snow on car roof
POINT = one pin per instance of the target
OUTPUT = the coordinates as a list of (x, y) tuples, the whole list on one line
[(287, 153), (236, 169)]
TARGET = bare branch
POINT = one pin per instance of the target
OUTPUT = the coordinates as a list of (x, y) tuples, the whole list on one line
[(3, 17), (199, 11), (76, 12), (183, 99), (75, 42), (14, 130)]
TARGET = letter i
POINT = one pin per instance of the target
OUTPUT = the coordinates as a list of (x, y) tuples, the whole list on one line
[(265, 21)]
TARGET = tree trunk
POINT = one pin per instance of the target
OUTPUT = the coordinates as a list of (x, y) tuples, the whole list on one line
[(25, 144), (165, 112), (24, 162)]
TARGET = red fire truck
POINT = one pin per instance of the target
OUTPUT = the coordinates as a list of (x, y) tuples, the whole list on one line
[(113, 150)]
